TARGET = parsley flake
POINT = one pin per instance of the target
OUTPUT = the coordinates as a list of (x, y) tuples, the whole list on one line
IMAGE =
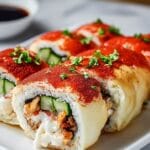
[(98, 21), (114, 30), (86, 40), (94, 87), (21, 55), (63, 76), (93, 62), (147, 40), (86, 75), (108, 59), (67, 32), (76, 60), (101, 31), (138, 35), (72, 69)]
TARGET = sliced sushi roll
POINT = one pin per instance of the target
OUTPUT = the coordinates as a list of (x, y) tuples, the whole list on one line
[(60, 109), (55, 46), (97, 32), (124, 77), (139, 43), (15, 65)]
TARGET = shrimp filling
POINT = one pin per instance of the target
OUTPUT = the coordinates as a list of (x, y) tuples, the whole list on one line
[(54, 109)]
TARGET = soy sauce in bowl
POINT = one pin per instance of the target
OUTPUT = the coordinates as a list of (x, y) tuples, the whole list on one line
[(9, 13)]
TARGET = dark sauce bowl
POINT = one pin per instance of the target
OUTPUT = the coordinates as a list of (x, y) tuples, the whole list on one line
[(16, 16)]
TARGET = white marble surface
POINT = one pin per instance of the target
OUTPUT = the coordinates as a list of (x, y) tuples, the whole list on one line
[(55, 14)]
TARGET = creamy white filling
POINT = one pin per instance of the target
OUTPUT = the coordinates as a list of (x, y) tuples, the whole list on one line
[(48, 133), (4, 75), (86, 33), (49, 44)]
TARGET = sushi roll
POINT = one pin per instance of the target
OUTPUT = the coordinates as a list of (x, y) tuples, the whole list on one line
[(60, 108), (97, 32), (139, 43), (55, 46), (124, 77), (13, 70)]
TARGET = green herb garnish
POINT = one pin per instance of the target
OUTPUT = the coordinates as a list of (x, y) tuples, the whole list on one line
[(63, 76), (72, 69), (76, 60), (20, 55), (98, 21), (94, 87), (86, 75), (147, 40), (67, 32), (108, 59), (114, 30), (93, 62), (37, 60), (86, 40), (101, 31), (138, 35)]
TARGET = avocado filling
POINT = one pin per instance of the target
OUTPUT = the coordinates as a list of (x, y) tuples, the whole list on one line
[(48, 55), (6, 86), (55, 108)]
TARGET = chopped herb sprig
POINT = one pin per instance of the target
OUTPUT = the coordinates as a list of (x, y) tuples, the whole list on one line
[(72, 69), (101, 31), (63, 76), (108, 59), (93, 61), (76, 60), (67, 32), (21, 55), (146, 40), (140, 36), (86, 40), (94, 87), (114, 30), (86, 75), (98, 20)]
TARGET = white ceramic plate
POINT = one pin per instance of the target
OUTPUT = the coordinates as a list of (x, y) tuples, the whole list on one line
[(137, 134), (134, 137)]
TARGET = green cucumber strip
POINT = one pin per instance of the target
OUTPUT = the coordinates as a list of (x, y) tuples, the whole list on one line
[(52, 104), (44, 53), (54, 59), (8, 86), (47, 103), (1, 86), (61, 106)]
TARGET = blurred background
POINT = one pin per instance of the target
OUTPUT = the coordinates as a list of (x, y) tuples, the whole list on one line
[(145, 2), (130, 15)]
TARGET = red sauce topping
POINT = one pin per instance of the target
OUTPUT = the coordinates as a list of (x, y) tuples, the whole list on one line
[(94, 28), (70, 44), (52, 35), (126, 57), (131, 43), (73, 46), (75, 81), (20, 71)]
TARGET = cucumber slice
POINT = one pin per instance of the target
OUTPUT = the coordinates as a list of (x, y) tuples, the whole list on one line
[(1, 86), (46, 103), (54, 59), (44, 54), (61, 106), (8, 85)]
